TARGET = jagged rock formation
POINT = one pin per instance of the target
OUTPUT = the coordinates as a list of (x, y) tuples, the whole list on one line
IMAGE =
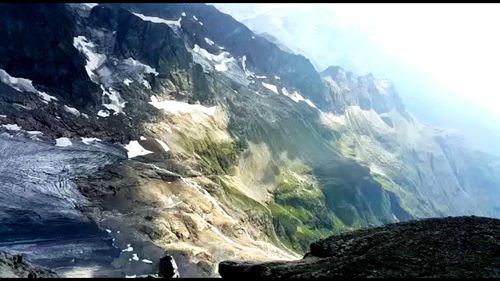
[(173, 128), (168, 268), (451, 247)]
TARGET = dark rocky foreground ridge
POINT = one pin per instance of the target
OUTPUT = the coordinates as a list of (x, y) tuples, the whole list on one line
[(14, 266), (437, 247)]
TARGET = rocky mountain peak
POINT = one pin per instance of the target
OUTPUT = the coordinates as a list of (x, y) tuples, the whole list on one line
[(367, 91), (173, 129)]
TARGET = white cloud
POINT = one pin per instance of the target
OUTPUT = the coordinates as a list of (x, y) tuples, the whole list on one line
[(454, 44)]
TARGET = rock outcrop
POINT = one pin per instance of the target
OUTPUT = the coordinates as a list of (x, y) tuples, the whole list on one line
[(14, 266), (168, 267), (439, 247)]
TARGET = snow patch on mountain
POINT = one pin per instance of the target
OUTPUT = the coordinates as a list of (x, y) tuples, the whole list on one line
[(271, 87), (125, 71), (46, 97), (90, 5), (94, 60), (89, 140), (23, 85), (12, 127), (224, 62), (296, 97), (196, 19), (102, 75), (127, 82), (146, 84), (72, 110), (103, 113), (219, 61), (128, 249), (144, 67), (63, 142), (134, 149), (170, 23), (163, 145), (178, 107), (116, 103), (243, 63), (34, 132), (209, 42)]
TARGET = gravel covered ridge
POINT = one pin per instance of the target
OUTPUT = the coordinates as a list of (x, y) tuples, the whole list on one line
[(436, 247)]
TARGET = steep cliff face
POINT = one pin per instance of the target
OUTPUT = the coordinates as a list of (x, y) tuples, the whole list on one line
[(424, 166), (367, 92), (197, 137), (30, 49)]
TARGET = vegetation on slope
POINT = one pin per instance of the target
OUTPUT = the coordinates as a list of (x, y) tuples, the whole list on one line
[(217, 157), (300, 215)]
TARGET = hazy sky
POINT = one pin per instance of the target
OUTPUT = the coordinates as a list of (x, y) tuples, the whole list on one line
[(458, 45), (437, 54)]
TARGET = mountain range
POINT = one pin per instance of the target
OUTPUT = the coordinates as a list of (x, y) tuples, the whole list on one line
[(128, 131)]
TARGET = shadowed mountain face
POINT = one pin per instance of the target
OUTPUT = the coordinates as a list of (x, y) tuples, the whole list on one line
[(444, 247), (38, 45), (153, 129)]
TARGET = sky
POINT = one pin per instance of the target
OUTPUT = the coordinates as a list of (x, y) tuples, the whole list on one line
[(443, 58), (458, 45)]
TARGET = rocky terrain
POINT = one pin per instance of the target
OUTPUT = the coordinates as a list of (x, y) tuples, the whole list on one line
[(451, 247), (14, 266), (132, 131)]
